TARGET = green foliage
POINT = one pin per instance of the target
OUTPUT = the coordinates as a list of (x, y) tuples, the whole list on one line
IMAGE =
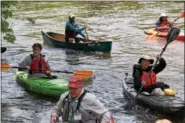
[(6, 12)]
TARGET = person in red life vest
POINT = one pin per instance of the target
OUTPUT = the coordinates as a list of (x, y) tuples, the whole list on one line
[(163, 24), (36, 63), (141, 76), (72, 30), (80, 106)]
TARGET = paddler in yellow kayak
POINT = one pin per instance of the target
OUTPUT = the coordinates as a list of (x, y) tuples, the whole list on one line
[(36, 63), (163, 24)]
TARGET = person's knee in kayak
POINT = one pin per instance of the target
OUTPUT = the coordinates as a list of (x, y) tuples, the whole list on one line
[(163, 24), (36, 62), (80, 106), (142, 75), (72, 30)]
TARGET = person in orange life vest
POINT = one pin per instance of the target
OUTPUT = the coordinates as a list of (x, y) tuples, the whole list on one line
[(141, 74), (80, 106), (36, 62), (163, 24), (72, 30)]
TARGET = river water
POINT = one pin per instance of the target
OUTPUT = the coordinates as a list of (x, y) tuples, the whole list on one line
[(120, 22)]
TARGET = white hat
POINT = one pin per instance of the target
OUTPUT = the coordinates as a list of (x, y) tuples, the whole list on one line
[(163, 15), (146, 57), (71, 15)]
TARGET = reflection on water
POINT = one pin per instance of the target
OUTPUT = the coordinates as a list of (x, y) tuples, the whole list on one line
[(120, 22)]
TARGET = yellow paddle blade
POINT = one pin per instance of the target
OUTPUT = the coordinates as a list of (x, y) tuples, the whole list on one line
[(84, 74), (4, 66), (152, 37)]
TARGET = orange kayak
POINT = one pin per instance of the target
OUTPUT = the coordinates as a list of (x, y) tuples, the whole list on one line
[(180, 37)]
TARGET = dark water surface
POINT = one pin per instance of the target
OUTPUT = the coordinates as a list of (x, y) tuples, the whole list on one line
[(120, 22)]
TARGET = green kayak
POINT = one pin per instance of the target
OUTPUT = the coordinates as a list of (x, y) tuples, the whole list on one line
[(53, 87)]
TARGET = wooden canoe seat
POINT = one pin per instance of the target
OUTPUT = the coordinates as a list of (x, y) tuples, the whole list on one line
[(59, 37)]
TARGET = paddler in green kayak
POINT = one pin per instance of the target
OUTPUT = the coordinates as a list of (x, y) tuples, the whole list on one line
[(36, 63), (163, 24), (141, 75), (72, 30), (80, 106)]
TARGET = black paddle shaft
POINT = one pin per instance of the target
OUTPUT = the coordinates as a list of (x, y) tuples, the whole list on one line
[(172, 34), (158, 59)]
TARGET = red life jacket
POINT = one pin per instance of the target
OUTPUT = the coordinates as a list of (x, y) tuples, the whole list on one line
[(38, 65), (148, 79), (165, 23)]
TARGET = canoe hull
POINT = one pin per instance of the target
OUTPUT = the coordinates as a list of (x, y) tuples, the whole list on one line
[(57, 40), (48, 87), (170, 105), (180, 37)]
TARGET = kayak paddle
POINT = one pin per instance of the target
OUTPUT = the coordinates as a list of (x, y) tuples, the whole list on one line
[(3, 49), (5, 67), (153, 37), (173, 33), (181, 16)]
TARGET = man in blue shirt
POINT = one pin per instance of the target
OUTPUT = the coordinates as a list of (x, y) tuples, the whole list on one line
[(72, 30)]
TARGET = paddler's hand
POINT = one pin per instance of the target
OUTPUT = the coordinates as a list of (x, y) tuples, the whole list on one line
[(172, 23), (158, 57), (85, 26), (143, 82), (48, 73), (28, 67), (53, 118)]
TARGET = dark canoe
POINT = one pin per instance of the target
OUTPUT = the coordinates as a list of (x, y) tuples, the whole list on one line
[(3, 49), (169, 105), (58, 40)]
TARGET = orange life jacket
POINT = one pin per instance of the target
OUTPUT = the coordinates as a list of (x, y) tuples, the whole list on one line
[(38, 65), (149, 79)]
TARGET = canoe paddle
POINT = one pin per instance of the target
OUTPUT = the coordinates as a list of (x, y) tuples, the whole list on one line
[(153, 37), (86, 34), (173, 33), (5, 66)]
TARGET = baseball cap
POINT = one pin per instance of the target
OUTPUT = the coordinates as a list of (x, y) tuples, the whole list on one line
[(75, 82)]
